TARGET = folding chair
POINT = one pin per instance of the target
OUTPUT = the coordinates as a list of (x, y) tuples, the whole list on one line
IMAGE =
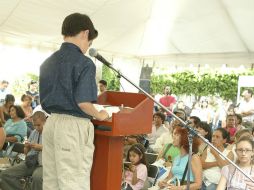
[(153, 172), (151, 157)]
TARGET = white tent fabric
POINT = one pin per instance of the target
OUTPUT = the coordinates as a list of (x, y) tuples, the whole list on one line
[(136, 27), (169, 34)]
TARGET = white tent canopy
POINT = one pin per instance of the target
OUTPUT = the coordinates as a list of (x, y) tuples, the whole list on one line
[(175, 32)]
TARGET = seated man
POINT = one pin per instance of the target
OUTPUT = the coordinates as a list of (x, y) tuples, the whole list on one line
[(166, 138), (32, 165), (158, 127)]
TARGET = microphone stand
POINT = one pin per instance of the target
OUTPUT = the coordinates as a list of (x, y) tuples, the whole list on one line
[(191, 131)]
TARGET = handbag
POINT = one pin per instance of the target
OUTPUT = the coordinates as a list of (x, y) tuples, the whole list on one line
[(31, 160)]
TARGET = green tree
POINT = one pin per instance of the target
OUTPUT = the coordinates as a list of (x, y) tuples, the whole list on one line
[(20, 85), (111, 77), (201, 84)]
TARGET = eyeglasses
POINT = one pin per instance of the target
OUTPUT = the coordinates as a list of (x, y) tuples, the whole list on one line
[(244, 151)]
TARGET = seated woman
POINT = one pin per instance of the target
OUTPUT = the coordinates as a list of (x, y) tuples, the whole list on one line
[(180, 140), (168, 153), (212, 162), (239, 135), (15, 128), (231, 177), (4, 110), (204, 130), (27, 108)]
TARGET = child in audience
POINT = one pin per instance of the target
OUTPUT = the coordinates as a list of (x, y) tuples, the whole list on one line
[(232, 178), (135, 175)]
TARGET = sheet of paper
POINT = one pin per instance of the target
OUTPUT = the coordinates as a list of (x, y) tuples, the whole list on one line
[(109, 109)]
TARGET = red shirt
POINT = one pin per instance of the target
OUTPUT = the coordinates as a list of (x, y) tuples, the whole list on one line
[(232, 131), (167, 101)]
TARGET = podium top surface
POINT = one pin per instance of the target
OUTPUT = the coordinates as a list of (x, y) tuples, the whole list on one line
[(135, 117)]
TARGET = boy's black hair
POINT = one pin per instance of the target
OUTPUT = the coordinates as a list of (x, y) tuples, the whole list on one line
[(75, 23)]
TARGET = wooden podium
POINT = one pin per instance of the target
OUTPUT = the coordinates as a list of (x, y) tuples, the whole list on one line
[(134, 118)]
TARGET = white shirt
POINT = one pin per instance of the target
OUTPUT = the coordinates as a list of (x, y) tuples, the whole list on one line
[(246, 107), (165, 138), (156, 133)]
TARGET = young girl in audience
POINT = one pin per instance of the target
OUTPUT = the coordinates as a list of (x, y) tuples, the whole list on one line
[(231, 178), (135, 175)]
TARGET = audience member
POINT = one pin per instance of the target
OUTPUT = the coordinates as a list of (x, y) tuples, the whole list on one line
[(231, 127), (180, 140), (27, 108), (205, 114), (102, 86), (3, 91), (135, 174), (168, 101), (194, 120), (238, 135), (220, 114), (168, 153), (5, 108), (204, 130), (26, 105), (246, 108), (131, 140), (196, 110), (166, 138), (32, 165), (158, 127), (231, 177), (239, 121), (33, 92), (180, 105), (15, 127), (212, 161)]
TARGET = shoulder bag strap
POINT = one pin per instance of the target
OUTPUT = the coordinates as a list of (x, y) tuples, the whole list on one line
[(166, 150), (184, 173)]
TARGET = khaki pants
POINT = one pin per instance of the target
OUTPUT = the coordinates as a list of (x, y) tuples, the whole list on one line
[(67, 153)]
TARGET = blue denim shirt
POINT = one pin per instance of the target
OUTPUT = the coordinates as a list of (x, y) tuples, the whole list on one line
[(67, 78)]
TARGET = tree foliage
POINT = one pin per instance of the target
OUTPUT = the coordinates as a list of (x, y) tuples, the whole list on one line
[(201, 84), (111, 77), (20, 85)]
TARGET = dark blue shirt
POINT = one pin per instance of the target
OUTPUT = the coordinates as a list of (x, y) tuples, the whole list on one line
[(67, 78)]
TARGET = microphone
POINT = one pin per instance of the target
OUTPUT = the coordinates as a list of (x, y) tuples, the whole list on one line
[(93, 53)]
